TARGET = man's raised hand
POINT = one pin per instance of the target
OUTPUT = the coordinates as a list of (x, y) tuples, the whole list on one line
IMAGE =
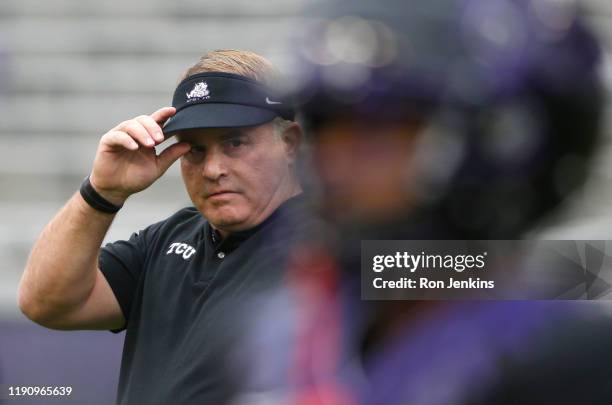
[(126, 162)]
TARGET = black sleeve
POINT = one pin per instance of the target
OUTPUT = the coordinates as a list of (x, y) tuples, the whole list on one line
[(122, 263)]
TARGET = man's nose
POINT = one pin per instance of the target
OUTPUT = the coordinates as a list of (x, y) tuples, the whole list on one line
[(214, 166)]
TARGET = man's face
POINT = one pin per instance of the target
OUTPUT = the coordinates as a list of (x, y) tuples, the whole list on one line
[(237, 177), (364, 169)]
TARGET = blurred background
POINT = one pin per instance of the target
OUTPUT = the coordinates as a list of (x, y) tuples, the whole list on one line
[(70, 70)]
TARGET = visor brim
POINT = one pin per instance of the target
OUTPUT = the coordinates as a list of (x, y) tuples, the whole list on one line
[(217, 115)]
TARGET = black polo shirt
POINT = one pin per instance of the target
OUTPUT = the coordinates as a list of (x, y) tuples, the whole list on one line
[(182, 292)]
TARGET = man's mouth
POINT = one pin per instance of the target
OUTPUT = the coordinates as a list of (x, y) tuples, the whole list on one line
[(220, 193)]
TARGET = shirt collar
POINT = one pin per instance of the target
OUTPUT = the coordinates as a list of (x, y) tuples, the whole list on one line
[(234, 239)]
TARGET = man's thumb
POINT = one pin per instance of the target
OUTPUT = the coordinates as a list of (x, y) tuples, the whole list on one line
[(170, 155)]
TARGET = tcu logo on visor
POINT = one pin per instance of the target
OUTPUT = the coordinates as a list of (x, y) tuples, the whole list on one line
[(181, 249), (200, 90)]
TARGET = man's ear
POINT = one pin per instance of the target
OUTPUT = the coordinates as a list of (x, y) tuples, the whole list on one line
[(292, 139)]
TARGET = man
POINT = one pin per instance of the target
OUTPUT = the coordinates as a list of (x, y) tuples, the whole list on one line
[(176, 285)]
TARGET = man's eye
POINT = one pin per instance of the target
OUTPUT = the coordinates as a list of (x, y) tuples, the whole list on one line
[(196, 149), (235, 143), (195, 154)]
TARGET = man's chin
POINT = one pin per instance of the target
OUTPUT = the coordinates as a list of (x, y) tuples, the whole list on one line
[(229, 217), (227, 222)]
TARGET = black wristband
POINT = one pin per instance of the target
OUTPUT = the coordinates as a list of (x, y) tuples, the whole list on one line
[(95, 200)]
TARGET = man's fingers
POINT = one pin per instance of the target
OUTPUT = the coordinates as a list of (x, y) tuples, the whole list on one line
[(152, 127), (146, 129), (119, 138), (137, 131), (160, 116), (170, 155)]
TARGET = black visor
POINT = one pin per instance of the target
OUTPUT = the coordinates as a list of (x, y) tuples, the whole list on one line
[(220, 100)]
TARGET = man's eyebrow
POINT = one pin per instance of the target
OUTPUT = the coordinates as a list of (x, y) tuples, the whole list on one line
[(192, 142), (232, 133)]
